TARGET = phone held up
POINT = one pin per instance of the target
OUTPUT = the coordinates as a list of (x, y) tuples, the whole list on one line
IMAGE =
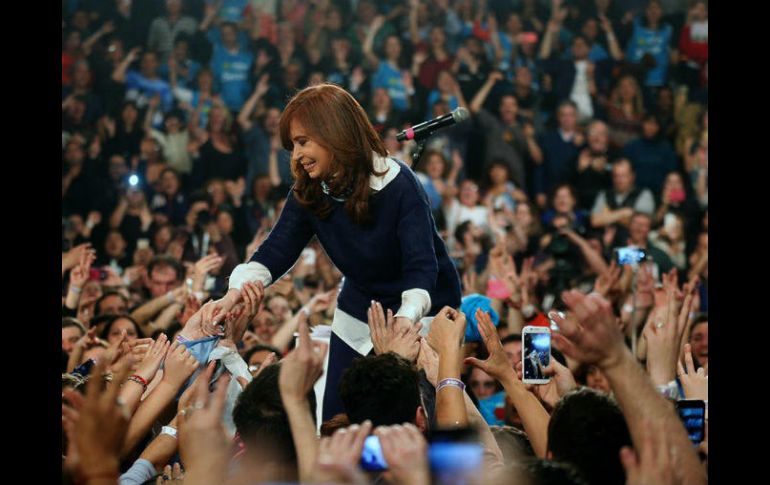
[(536, 354), (630, 255), (692, 412)]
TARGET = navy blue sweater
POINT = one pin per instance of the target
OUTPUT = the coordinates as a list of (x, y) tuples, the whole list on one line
[(399, 250)]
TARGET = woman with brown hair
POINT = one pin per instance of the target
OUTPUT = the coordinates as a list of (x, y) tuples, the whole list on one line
[(625, 111), (370, 214)]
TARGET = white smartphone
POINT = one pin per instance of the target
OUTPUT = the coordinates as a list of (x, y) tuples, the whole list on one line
[(308, 256), (536, 354)]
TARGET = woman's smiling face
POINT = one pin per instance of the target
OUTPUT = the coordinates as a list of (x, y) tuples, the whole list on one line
[(314, 158)]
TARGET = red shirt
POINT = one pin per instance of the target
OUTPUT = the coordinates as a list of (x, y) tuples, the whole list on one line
[(66, 65), (694, 50)]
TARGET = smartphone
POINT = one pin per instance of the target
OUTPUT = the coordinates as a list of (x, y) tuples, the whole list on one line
[(692, 412), (630, 255), (455, 455), (371, 456), (536, 354), (85, 368)]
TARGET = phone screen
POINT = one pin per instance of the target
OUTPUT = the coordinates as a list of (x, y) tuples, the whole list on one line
[(371, 456), (536, 354), (630, 255), (693, 415)]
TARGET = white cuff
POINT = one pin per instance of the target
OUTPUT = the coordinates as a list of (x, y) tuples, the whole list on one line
[(251, 271), (415, 303)]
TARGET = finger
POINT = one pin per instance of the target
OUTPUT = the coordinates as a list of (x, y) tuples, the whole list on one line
[(566, 346), (476, 363), (176, 473), (360, 436), (630, 462), (304, 332), (679, 369), (688, 359)]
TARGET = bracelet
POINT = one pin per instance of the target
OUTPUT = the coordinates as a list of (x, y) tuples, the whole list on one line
[(75, 289), (169, 430), (450, 382), (139, 380)]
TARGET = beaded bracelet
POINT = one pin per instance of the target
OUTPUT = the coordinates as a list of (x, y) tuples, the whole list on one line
[(450, 382), (139, 380)]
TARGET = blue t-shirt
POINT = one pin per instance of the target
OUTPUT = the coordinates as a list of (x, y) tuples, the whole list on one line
[(654, 42), (231, 72), (389, 77), (149, 88)]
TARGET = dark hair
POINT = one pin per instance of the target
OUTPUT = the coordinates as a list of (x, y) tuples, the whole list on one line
[(114, 318), (105, 295), (549, 472), (173, 328), (587, 429), (261, 420), (68, 322), (700, 318), (425, 159), (163, 260), (382, 388), (335, 120), (513, 442), (566, 102), (260, 348)]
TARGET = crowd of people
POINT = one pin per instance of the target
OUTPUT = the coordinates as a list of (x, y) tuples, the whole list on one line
[(588, 133)]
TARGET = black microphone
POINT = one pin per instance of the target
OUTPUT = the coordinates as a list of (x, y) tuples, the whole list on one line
[(427, 128)]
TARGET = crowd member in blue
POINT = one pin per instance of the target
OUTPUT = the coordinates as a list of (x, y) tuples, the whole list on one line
[(370, 214)]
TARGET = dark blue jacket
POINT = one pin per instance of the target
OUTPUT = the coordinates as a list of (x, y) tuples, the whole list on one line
[(400, 250)]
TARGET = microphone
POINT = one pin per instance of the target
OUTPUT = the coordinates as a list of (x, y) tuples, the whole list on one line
[(427, 128)]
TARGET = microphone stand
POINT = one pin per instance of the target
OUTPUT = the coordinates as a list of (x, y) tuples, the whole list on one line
[(418, 152)]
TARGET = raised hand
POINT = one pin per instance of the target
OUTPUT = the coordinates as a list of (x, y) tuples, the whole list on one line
[(339, 456), (153, 358), (203, 443), (102, 422), (497, 364), (589, 333), (387, 338), (607, 280), (405, 451), (694, 383), (655, 462), (302, 367), (447, 330), (427, 360), (179, 365), (73, 257)]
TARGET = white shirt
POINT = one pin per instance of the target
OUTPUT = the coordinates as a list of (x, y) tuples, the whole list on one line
[(581, 94)]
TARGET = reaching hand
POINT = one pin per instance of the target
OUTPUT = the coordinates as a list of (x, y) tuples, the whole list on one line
[(203, 443), (179, 365), (152, 359), (80, 273), (102, 422), (386, 337), (427, 360), (497, 364), (607, 280), (238, 319), (447, 330), (302, 367), (656, 461), (73, 257), (589, 333), (694, 383), (405, 451)]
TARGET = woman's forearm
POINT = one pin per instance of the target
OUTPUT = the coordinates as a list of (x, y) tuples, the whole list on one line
[(147, 413), (534, 417), (450, 403)]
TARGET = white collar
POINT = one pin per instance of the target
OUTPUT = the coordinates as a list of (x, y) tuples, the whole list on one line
[(380, 164)]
